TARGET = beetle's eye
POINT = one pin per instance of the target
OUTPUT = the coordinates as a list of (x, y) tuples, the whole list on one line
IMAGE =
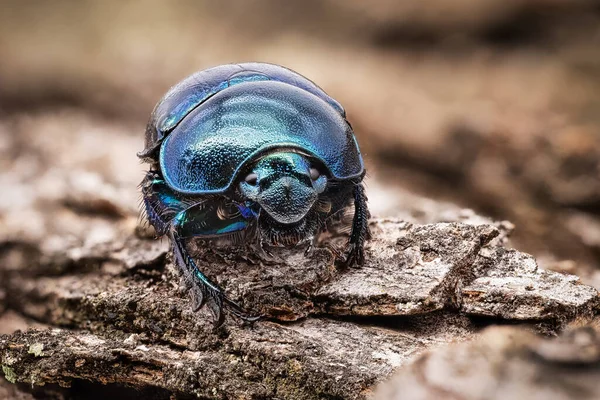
[(251, 179), (314, 174)]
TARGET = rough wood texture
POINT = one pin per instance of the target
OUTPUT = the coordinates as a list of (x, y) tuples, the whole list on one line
[(123, 319), (506, 363), (75, 261)]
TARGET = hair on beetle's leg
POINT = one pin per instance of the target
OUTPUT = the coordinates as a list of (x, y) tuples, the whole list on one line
[(160, 204), (355, 253), (205, 291)]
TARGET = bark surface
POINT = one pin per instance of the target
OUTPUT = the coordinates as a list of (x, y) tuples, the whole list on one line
[(116, 314)]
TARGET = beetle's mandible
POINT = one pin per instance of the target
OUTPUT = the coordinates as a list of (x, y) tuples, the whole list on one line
[(252, 151)]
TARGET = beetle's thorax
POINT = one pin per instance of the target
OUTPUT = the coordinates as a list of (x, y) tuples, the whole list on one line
[(285, 185)]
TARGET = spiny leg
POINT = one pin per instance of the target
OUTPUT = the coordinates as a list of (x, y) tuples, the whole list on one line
[(203, 288), (355, 252), (166, 211)]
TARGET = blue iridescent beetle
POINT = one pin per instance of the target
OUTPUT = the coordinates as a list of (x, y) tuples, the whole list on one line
[(250, 153)]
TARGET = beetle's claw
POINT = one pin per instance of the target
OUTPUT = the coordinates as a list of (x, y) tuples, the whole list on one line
[(216, 308), (239, 312), (218, 303), (203, 295), (355, 256)]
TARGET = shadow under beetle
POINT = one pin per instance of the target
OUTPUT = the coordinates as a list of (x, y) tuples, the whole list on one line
[(250, 153)]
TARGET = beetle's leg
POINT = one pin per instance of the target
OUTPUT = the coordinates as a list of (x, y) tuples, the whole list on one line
[(201, 286), (166, 212), (205, 290), (355, 252)]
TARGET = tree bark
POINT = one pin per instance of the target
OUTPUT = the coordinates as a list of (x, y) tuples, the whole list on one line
[(116, 313)]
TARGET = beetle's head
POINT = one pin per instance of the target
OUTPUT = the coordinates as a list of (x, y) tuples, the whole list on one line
[(285, 185)]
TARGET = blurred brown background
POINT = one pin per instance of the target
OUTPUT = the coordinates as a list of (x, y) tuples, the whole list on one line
[(491, 105)]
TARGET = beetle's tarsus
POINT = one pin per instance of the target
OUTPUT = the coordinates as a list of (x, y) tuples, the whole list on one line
[(239, 312), (355, 252), (355, 256)]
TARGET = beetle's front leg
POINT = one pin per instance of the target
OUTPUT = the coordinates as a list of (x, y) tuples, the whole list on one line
[(203, 289), (355, 252), (175, 217)]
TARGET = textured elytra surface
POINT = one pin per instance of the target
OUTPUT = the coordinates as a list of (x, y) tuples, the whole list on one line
[(213, 142)]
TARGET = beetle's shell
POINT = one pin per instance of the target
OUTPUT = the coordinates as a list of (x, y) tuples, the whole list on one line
[(196, 88), (203, 147)]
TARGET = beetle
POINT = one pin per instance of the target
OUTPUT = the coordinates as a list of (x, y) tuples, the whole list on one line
[(250, 153)]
